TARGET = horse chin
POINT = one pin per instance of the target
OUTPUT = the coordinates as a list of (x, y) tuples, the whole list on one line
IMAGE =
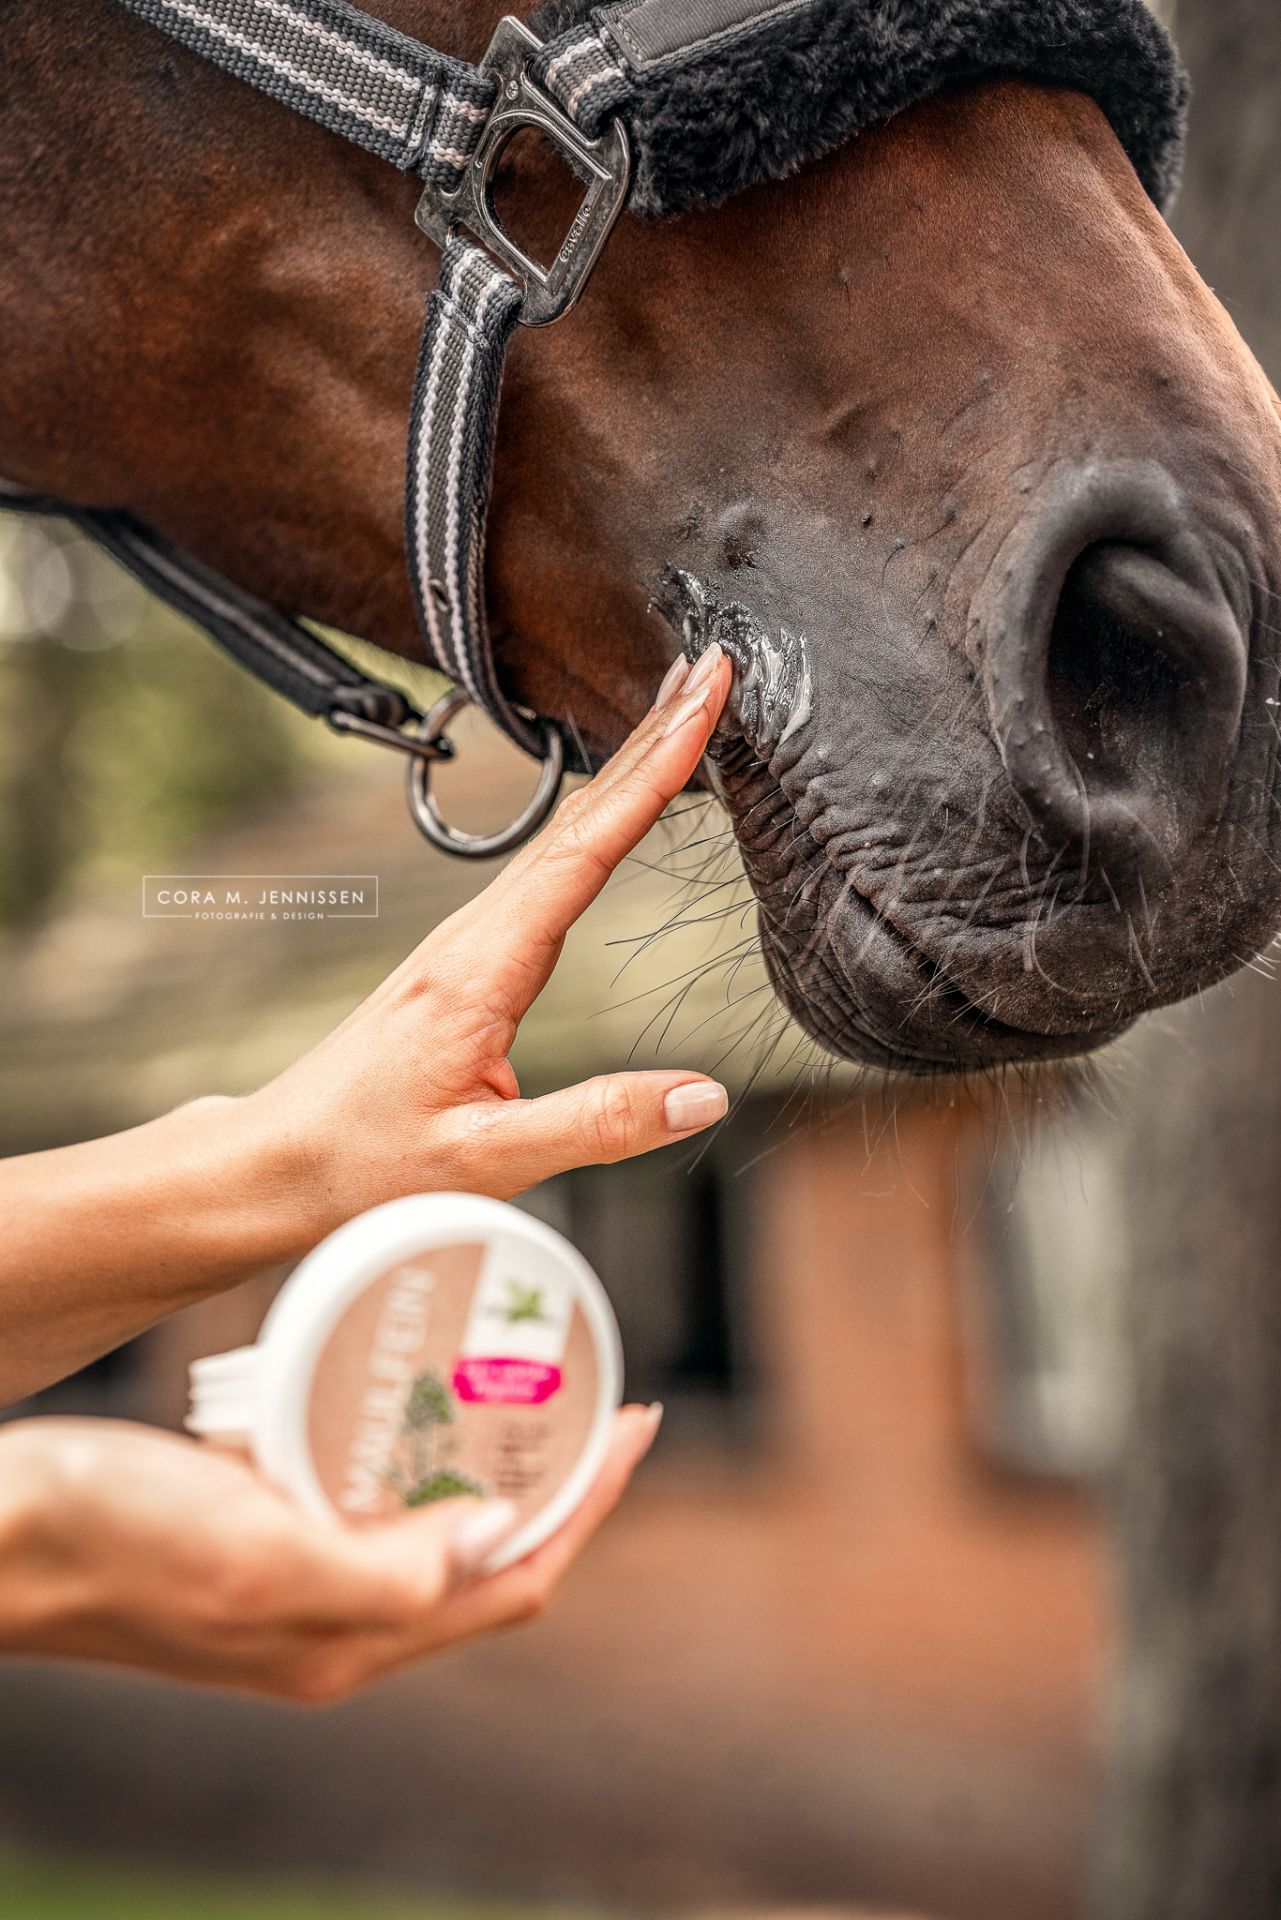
[(871, 997), (860, 984)]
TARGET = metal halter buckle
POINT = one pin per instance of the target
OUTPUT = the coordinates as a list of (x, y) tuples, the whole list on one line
[(421, 744), (479, 846), (604, 163)]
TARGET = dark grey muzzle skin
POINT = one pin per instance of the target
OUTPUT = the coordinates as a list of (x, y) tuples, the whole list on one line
[(1034, 794)]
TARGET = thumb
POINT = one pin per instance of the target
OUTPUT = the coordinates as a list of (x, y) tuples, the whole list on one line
[(510, 1145), (436, 1549)]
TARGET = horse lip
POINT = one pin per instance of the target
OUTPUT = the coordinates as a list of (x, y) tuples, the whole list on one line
[(863, 985), (771, 696), (887, 976)]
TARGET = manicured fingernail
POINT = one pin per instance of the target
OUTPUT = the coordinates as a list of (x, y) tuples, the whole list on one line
[(695, 689), (672, 682), (705, 666), (695, 1105), (653, 1421), (694, 707), (479, 1532)]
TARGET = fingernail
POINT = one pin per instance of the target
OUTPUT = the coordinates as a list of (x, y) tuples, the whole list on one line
[(478, 1533), (705, 666), (690, 708), (653, 1421), (695, 1105), (672, 682)]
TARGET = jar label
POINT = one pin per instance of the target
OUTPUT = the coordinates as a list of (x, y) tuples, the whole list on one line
[(467, 1369)]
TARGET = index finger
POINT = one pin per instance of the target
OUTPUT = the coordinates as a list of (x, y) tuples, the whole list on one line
[(530, 907)]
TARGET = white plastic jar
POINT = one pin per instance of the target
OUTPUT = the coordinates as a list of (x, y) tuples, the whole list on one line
[(441, 1344)]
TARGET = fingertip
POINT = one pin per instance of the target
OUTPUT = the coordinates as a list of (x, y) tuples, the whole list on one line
[(458, 1534), (638, 1422), (648, 1420), (477, 1533), (694, 1105), (635, 1429), (672, 682)]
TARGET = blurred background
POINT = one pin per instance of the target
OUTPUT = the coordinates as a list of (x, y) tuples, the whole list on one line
[(953, 1587)]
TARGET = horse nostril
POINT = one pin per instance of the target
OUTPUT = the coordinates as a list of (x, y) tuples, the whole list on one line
[(1124, 686), (1117, 676)]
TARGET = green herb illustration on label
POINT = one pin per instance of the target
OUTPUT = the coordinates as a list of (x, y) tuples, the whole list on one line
[(444, 1485), (430, 1404), (420, 1471), (524, 1303)]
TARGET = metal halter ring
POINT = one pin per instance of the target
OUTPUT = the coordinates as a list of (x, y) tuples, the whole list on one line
[(604, 166), (480, 846)]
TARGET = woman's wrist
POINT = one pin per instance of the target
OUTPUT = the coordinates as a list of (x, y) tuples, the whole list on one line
[(242, 1190), (108, 1237)]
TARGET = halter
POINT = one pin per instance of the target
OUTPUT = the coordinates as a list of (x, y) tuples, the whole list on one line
[(657, 105)]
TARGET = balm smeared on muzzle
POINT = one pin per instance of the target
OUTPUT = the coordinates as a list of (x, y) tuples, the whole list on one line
[(773, 690)]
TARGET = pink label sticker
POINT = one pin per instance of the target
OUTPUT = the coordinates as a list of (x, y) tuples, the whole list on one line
[(493, 1381)]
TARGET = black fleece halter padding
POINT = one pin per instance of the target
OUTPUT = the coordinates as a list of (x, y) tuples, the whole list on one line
[(722, 94)]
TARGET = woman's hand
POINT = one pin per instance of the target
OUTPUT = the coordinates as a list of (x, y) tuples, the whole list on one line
[(415, 1089), (118, 1543)]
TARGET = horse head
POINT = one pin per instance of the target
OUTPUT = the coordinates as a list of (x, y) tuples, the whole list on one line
[(944, 438)]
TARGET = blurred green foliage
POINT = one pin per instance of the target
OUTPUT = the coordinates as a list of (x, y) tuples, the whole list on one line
[(125, 734), (51, 1890)]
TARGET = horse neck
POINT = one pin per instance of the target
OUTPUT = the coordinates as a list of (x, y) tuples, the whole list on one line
[(158, 215)]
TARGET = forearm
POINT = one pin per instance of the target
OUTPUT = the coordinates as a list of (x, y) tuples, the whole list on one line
[(101, 1240)]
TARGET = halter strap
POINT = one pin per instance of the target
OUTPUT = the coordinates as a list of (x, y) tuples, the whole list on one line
[(470, 320), (421, 110), (286, 656), (425, 112)]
